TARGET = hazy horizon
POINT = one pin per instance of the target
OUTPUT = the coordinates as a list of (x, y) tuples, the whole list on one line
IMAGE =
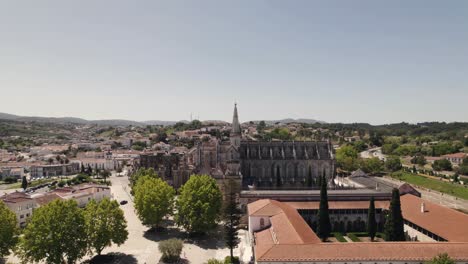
[(334, 61)]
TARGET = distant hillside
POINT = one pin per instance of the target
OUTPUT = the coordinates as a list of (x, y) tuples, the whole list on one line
[(291, 120), (162, 123), (74, 120), (122, 122)]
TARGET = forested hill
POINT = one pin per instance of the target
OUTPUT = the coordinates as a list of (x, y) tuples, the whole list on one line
[(400, 129)]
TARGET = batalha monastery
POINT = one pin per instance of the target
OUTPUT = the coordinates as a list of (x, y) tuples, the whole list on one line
[(278, 189)]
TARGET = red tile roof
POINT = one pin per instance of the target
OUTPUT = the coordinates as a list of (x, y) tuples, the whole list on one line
[(289, 238), (339, 205), (46, 198), (15, 197), (442, 221), (455, 155), (362, 251)]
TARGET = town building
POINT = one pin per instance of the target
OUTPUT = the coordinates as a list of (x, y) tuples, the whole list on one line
[(53, 170), (21, 204), (82, 193), (455, 158), (12, 172)]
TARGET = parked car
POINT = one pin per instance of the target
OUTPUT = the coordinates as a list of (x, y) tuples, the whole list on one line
[(123, 202)]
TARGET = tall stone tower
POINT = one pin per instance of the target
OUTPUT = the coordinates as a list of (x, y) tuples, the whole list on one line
[(236, 132), (233, 179)]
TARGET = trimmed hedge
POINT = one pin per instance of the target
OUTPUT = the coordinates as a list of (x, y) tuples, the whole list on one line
[(353, 237), (380, 235), (339, 236), (234, 260), (360, 234)]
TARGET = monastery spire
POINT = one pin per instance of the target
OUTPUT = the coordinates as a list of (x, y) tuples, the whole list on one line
[(236, 128)]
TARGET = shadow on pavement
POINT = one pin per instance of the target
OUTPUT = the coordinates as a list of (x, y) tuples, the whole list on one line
[(112, 258), (180, 261)]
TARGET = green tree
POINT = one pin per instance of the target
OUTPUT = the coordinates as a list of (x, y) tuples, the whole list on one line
[(347, 158), (463, 169), (372, 165), (261, 126), (278, 177), (231, 260), (376, 139), (56, 233), (394, 221), (456, 177), (309, 179), (171, 249), (24, 183), (232, 215), (154, 200), (105, 174), (214, 261), (323, 217), (8, 230), (443, 164), (393, 163), (371, 223), (142, 172), (419, 160), (105, 224), (199, 204), (442, 259)]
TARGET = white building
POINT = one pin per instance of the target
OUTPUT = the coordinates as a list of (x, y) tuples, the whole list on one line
[(21, 204)]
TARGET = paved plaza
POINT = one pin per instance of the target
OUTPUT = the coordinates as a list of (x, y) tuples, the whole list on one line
[(142, 244)]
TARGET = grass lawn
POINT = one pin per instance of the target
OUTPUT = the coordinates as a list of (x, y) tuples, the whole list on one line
[(456, 190), (15, 185), (31, 184)]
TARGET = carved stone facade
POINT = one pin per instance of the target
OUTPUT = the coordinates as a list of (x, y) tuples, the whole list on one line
[(285, 165), (265, 165), (172, 167)]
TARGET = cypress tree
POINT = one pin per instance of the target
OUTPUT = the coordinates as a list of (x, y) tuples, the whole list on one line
[(394, 230), (232, 215), (24, 183), (371, 223), (309, 178), (278, 177), (323, 221)]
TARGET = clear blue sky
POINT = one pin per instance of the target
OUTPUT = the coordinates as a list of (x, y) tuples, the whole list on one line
[(337, 61)]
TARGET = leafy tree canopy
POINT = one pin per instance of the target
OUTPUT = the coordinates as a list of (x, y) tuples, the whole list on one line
[(142, 172), (8, 230), (347, 158), (55, 234), (105, 224), (442, 165), (199, 204), (393, 163), (372, 165), (154, 200)]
